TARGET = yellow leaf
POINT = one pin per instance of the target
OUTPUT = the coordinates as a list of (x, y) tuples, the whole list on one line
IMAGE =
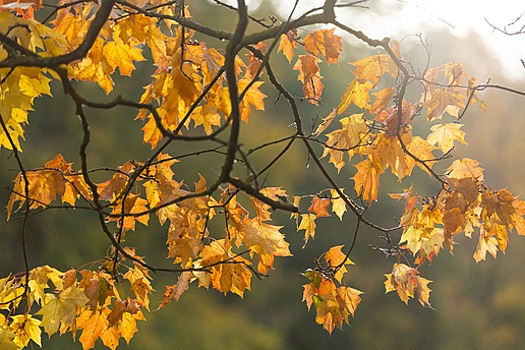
[(26, 328), (366, 180), (349, 139), (486, 243), (120, 55), (94, 325), (444, 135), (465, 168), (338, 204), (265, 239), (288, 44), (337, 259), (62, 309), (374, 67), (324, 42), (6, 339), (307, 224), (356, 92), (310, 76)]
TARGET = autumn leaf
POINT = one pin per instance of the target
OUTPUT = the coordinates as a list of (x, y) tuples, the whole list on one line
[(337, 259), (130, 306), (310, 76), (465, 168), (347, 140), (308, 225), (94, 325), (62, 309), (26, 328), (366, 181), (230, 276), (265, 240), (319, 207), (287, 44), (356, 93), (324, 42), (406, 281), (441, 101), (176, 290), (338, 203), (374, 67), (444, 135)]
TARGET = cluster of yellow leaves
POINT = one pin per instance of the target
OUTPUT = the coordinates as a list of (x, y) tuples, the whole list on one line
[(185, 70), (319, 208), (406, 281), (332, 304), (464, 204), (22, 85), (65, 303), (57, 178), (211, 261), (319, 44)]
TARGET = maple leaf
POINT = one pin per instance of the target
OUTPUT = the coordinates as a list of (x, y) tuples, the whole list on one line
[(113, 187), (349, 139), (366, 180), (320, 207), (337, 259), (486, 243), (324, 42), (176, 290), (338, 203), (140, 284), (96, 288), (252, 97), (265, 240), (232, 275), (444, 135), (6, 339), (130, 306), (374, 67), (121, 55), (44, 185), (310, 76), (128, 324), (26, 328), (287, 44), (406, 281), (382, 98), (441, 101), (308, 225), (465, 168), (356, 93), (62, 309), (94, 325), (133, 204), (348, 298)]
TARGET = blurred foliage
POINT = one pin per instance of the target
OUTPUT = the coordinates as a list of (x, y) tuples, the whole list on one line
[(477, 306)]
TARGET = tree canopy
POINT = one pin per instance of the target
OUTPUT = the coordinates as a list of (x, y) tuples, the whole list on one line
[(205, 86)]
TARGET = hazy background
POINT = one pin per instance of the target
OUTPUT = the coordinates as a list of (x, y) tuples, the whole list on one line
[(477, 306)]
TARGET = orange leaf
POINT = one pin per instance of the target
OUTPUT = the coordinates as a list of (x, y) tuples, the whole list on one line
[(324, 42), (310, 76), (366, 180), (356, 92), (374, 67), (288, 44), (320, 207)]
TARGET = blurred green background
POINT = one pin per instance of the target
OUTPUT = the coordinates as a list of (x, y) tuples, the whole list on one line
[(477, 306)]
